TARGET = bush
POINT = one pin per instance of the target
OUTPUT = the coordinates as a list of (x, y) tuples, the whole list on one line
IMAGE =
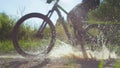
[(6, 25), (109, 11)]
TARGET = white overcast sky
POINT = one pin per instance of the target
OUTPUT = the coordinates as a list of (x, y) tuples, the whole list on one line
[(11, 7)]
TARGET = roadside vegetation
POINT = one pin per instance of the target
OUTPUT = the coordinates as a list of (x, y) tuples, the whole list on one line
[(6, 25), (107, 14)]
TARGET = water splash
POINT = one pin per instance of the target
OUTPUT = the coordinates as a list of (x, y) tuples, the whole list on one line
[(11, 56), (68, 51), (61, 50), (104, 53)]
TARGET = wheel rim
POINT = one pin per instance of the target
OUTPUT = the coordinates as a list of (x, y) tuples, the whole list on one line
[(30, 43)]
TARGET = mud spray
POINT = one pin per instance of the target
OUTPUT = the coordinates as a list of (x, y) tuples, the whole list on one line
[(68, 51)]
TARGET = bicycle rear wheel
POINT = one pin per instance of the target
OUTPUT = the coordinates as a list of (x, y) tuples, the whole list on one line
[(26, 39), (94, 36)]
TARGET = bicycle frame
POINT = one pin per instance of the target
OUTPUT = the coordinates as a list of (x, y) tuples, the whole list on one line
[(56, 8)]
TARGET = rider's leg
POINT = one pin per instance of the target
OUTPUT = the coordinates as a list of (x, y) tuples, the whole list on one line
[(81, 39)]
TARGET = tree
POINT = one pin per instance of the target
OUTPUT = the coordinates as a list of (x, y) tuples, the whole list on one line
[(109, 11), (6, 24)]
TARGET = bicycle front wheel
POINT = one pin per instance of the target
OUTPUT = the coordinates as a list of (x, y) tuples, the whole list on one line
[(27, 39)]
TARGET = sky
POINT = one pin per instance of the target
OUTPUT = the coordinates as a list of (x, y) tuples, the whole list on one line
[(18, 8)]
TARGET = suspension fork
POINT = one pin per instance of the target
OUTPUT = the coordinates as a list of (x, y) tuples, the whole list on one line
[(43, 25), (61, 20)]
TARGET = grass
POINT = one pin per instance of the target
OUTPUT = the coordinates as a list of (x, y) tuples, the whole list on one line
[(117, 64), (101, 65), (102, 22), (7, 46)]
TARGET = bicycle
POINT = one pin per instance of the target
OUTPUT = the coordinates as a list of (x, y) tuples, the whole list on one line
[(43, 41)]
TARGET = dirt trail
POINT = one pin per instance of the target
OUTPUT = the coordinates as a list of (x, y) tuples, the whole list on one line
[(52, 63)]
